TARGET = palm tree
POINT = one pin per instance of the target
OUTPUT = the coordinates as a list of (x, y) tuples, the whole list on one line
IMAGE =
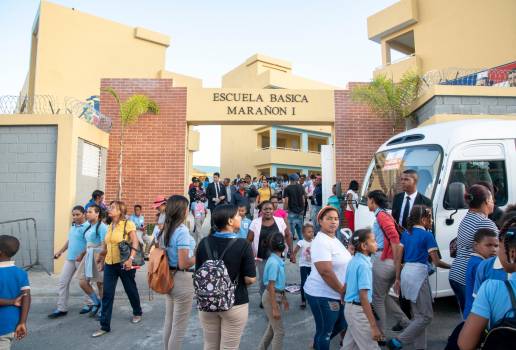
[(389, 99), (130, 110)]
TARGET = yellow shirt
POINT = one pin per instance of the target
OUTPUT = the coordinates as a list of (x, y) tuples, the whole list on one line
[(113, 237), (265, 194)]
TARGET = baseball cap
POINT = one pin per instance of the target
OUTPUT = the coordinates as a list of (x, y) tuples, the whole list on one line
[(159, 201)]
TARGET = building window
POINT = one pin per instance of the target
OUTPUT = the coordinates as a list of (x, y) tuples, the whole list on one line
[(90, 160)]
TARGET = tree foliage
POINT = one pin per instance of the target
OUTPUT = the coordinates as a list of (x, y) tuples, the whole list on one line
[(389, 99), (130, 111)]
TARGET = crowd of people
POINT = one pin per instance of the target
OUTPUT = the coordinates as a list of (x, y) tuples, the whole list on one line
[(353, 281)]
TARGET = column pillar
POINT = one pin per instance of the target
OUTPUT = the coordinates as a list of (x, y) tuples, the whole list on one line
[(274, 170), (273, 137), (304, 142)]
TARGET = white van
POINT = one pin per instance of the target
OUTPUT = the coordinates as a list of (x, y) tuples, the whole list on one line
[(465, 151)]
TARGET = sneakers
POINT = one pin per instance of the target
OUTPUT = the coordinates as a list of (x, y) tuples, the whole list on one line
[(86, 309), (136, 319), (99, 333), (57, 314), (394, 344)]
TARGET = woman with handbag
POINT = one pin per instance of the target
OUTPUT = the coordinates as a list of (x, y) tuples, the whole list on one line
[(180, 247), (120, 251)]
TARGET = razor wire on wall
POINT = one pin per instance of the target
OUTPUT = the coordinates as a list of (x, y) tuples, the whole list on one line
[(88, 110)]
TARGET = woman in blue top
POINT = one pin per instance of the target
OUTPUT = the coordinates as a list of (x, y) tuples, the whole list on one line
[(274, 296), (492, 302), (416, 244), (88, 271), (180, 247)]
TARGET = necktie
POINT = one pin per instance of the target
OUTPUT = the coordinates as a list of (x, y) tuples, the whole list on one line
[(217, 190), (406, 211)]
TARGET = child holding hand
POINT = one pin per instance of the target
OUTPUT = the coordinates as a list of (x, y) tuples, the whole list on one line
[(305, 261)]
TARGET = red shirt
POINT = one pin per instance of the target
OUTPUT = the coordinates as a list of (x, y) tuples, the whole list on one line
[(390, 234)]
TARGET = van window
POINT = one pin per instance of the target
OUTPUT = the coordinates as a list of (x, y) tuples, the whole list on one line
[(387, 166), (469, 172)]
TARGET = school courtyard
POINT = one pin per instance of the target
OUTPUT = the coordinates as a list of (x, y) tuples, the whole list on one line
[(74, 331)]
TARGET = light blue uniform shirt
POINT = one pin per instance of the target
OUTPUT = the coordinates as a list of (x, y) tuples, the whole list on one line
[(76, 240), (493, 301), (139, 221), (378, 233), (91, 235), (359, 275), (275, 271), (244, 228), (181, 239)]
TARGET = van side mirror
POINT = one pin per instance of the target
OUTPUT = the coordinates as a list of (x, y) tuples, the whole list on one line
[(456, 201)]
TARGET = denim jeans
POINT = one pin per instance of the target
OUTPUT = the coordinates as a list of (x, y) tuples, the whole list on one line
[(329, 320), (314, 210), (111, 275), (460, 293), (296, 225), (305, 271)]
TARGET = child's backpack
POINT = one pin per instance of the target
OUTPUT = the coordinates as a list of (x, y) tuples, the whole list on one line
[(503, 334), (214, 289), (159, 277)]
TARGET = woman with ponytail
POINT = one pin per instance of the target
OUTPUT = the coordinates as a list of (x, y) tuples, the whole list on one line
[(481, 205), (416, 246), (492, 302), (180, 246)]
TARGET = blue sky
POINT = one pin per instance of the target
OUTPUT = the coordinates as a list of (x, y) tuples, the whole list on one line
[(324, 40)]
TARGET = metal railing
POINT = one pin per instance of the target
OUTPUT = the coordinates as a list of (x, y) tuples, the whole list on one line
[(287, 149), (46, 104), (25, 230)]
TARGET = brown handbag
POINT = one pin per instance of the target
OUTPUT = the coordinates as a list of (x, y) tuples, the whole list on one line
[(159, 276)]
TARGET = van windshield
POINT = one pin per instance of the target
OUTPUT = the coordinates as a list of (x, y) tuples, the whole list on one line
[(386, 168)]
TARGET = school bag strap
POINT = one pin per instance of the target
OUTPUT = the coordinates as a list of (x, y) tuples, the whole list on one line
[(511, 294)]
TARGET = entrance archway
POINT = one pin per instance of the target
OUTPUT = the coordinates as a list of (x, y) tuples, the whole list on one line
[(157, 153)]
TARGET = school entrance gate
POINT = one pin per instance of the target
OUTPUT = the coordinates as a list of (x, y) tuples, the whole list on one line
[(157, 156)]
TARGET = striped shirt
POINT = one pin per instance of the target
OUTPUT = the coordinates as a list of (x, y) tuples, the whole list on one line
[(467, 229)]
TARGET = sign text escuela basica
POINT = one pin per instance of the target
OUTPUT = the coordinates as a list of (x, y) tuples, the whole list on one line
[(270, 101)]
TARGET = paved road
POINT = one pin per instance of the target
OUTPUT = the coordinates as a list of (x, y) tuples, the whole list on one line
[(74, 331)]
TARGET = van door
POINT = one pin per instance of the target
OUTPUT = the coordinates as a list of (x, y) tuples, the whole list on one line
[(468, 163)]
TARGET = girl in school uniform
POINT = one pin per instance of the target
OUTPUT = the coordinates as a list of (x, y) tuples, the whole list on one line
[(87, 272), (274, 296), (363, 332), (416, 244)]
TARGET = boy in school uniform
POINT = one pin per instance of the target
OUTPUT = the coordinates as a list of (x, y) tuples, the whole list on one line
[(245, 223), (485, 245), (14, 294)]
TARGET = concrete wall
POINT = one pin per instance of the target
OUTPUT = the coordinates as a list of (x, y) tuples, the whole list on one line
[(466, 105), (87, 182), (68, 132), (27, 182)]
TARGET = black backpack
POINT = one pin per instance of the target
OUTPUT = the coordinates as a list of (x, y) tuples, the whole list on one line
[(503, 334)]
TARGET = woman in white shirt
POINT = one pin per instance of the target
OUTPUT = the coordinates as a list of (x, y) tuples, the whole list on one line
[(325, 284)]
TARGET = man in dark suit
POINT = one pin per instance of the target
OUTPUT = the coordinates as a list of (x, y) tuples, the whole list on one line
[(216, 192), (404, 201), (401, 206)]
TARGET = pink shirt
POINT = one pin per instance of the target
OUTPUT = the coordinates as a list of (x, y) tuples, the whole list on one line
[(280, 213)]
